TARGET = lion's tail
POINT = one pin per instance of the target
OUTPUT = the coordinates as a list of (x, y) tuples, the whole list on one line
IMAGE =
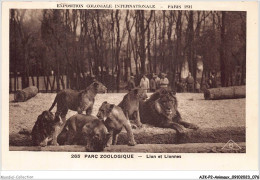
[(53, 104)]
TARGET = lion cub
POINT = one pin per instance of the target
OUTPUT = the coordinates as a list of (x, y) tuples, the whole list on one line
[(130, 104), (115, 120), (44, 128), (77, 100), (85, 130)]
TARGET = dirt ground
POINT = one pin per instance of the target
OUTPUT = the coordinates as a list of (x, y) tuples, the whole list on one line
[(192, 106)]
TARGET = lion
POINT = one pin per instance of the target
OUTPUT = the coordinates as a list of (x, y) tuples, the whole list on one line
[(44, 128), (160, 110), (86, 130), (77, 100), (115, 120), (130, 104)]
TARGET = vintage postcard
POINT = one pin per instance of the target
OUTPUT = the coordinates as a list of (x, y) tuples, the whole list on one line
[(129, 85)]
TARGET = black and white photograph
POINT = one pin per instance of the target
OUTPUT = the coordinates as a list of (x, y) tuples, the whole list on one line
[(155, 80), (116, 80)]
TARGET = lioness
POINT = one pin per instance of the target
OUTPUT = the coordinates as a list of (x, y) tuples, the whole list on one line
[(130, 104), (77, 100), (115, 120), (86, 130), (44, 128), (161, 110)]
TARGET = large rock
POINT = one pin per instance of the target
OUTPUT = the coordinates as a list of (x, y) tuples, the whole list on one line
[(154, 135)]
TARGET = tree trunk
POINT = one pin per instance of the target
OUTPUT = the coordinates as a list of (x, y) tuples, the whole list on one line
[(53, 83), (37, 74), (33, 83), (62, 82), (162, 45), (126, 69), (178, 43), (243, 68), (149, 49), (155, 46), (232, 92), (25, 94), (142, 41), (190, 43), (118, 60), (45, 84), (57, 73), (197, 36), (222, 51)]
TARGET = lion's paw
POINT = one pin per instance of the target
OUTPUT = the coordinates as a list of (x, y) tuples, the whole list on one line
[(132, 143), (182, 131), (54, 143), (194, 127), (134, 126), (139, 125), (43, 144), (108, 144)]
